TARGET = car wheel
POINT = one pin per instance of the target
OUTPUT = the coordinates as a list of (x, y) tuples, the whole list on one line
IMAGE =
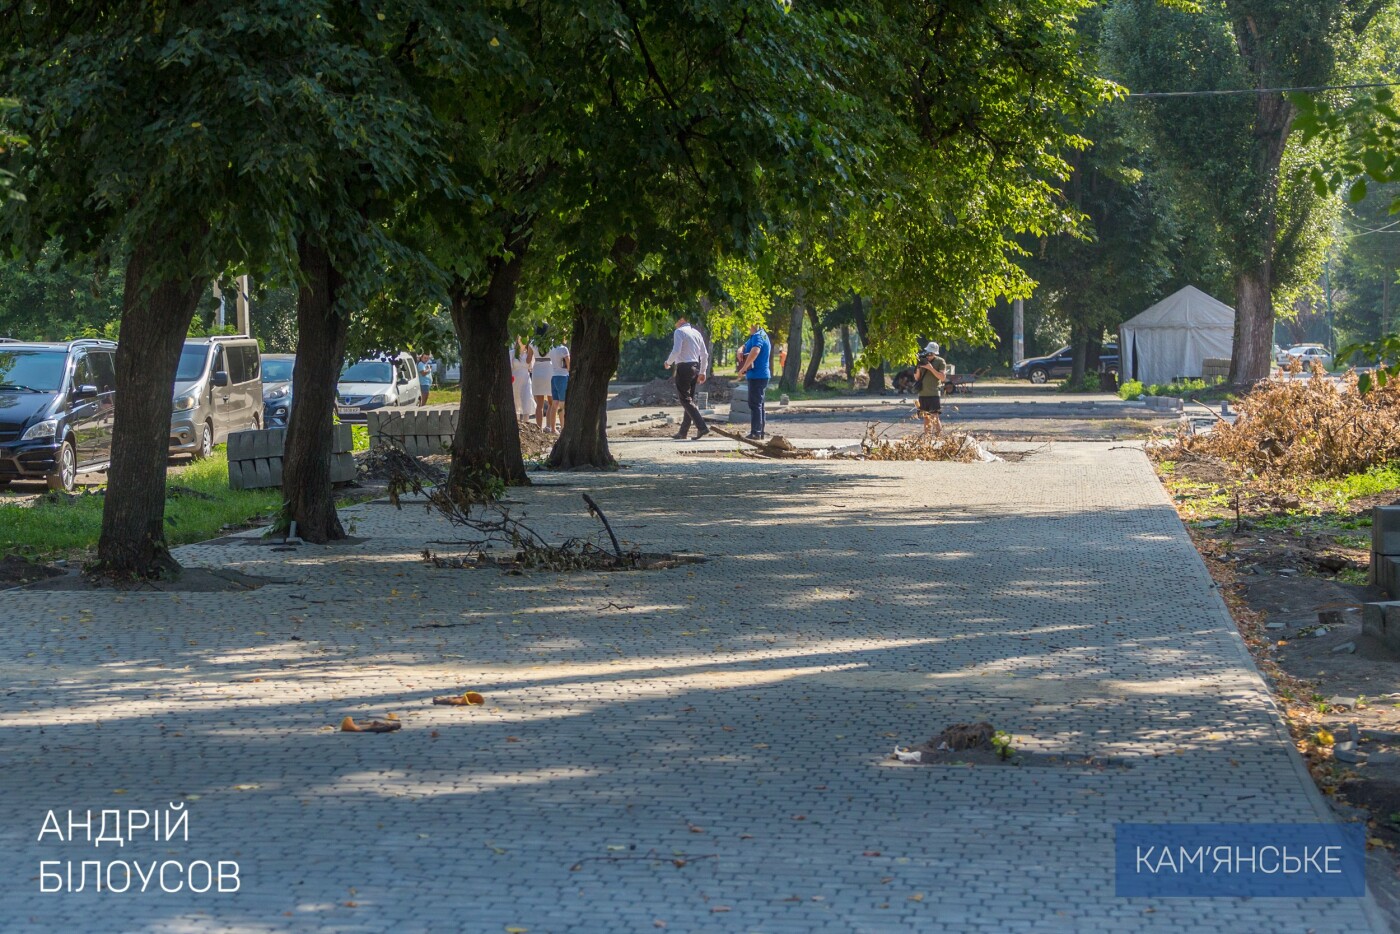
[(206, 442), (65, 474), (257, 423), (1038, 376)]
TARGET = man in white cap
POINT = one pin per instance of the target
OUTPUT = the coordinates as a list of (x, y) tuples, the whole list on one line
[(931, 372)]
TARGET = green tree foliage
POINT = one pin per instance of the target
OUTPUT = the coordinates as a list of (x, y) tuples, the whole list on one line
[(1089, 282), (1368, 266), (1368, 131), (1231, 156), (185, 139), (49, 300), (984, 104)]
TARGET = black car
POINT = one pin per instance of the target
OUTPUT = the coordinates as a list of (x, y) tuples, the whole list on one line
[(56, 408), (1060, 364)]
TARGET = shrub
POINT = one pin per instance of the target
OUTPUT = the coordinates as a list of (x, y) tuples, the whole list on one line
[(1090, 383), (1130, 390)]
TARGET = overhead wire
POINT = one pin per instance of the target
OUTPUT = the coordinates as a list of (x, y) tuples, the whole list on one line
[(1239, 91)]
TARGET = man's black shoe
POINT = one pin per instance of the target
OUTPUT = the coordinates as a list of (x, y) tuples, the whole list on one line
[(703, 432), (679, 437), (753, 437)]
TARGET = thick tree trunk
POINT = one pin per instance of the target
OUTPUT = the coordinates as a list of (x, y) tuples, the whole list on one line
[(877, 373), (1254, 327), (595, 348), (1256, 266), (814, 365), (488, 436), (155, 319), (848, 359), (793, 365), (306, 459)]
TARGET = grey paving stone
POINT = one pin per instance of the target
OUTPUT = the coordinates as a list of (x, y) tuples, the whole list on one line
[(845, 608)]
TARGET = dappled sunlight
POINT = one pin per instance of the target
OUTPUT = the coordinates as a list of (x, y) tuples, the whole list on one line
[(401, 784)]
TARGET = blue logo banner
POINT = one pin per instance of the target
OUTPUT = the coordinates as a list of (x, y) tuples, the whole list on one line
[(1240, 860)]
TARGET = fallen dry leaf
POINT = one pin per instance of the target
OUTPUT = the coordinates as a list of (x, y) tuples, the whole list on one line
[(465, 699)]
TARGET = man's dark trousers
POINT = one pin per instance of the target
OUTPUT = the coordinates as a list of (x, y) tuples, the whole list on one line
[(758, 388), (687, 375)]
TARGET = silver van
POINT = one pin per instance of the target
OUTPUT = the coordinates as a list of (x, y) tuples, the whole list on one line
[(218, 389)]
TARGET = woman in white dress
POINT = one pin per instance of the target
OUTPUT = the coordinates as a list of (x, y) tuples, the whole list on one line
[(541, 375), (521, 360)]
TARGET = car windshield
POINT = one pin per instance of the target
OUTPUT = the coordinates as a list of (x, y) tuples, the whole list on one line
[(191, 362), (368, 371), (32, 370), (276, 371)]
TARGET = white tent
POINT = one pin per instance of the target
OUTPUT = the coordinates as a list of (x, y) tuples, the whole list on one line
[(1174, 336)]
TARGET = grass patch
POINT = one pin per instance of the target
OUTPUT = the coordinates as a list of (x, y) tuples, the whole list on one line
[(450, 395), (198, 506), (1343, 490)]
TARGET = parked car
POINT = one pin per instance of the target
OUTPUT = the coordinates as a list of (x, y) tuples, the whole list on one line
[(1308, 354), (277, 388), (218, 389), (1060, 364), (376, 383), (56, 407)]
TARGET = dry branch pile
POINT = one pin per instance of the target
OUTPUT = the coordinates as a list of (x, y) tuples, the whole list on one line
[(924, 446), (506, 542), (1303, 429)]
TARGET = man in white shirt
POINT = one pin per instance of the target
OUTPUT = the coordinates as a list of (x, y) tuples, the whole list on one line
[(691, 359)]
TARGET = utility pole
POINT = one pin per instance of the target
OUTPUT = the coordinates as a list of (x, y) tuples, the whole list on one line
[(1018, 332), (219, 294), (245, 326)]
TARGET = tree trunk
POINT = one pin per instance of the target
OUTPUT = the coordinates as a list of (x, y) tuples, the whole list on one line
[(848, 359), (814, 365), (155, 319), (793, 364), (306, 458), (595, 348), (1254, 327), (877, 372), (487, 436), (1079, 343), (1255, 268)]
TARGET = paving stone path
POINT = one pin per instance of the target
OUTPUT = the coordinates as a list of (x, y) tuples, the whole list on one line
[(725, 722)]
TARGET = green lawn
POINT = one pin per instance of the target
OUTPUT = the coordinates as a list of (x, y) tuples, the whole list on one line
[(199, 505)]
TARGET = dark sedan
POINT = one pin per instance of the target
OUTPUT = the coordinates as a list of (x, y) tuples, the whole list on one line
[(1060, 364)]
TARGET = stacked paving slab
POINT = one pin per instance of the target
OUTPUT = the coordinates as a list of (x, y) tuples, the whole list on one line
[(255, 458), (420, 432), (1382, 620)]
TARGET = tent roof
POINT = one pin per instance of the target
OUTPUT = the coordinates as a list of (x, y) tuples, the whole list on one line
[(1188, 308)]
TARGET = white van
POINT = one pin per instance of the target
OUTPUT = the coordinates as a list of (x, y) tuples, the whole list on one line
[(218, 389), (374, 384)]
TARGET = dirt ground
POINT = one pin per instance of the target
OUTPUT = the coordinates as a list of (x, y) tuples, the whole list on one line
[(1294, 576)]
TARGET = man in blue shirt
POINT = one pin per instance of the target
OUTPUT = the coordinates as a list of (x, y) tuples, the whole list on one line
[(753, 365)]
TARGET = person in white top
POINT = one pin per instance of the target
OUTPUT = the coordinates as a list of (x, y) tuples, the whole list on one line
[(521, 359), (558, 384), (541, 374), (691, 359)]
